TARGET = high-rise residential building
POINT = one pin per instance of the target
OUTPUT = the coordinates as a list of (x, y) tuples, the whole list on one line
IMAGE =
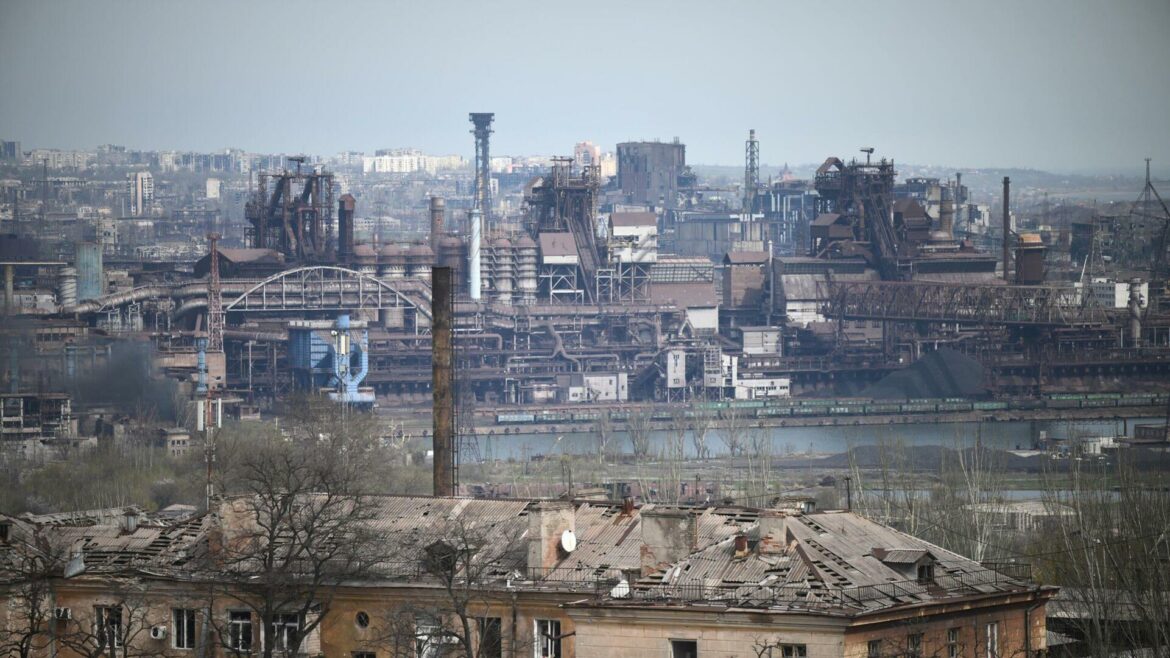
[(10, 151), (586, 154), (214, 186), (140, 187)]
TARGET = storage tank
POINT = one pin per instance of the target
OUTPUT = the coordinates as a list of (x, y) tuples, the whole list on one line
[(418, 262), (525, 249), (391, 263), (365, 260), (90, 275), (502, 273)]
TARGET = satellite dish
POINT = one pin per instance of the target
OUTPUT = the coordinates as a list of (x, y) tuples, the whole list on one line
[(568, 541)]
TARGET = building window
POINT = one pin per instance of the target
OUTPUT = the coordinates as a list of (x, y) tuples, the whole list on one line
[(429, 638), (925, 573), (548, 639), (684, 649), (491, 637), (362, 619), (284, 631), (183, 628), (952, 643), (240, 631), (873, 649), (793, 651), (363, 654), (914, 645), (108, 625), (992, 636)]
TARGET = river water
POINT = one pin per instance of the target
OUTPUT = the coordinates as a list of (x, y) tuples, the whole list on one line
[(1008, 435)]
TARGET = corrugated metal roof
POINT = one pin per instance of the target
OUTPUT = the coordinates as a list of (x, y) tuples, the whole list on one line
[(557, 244), (633, 219)]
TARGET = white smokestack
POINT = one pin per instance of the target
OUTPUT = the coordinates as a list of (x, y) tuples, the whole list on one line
[(473, 253)]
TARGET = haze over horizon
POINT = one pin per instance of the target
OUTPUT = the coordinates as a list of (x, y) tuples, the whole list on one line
[(1061, 86)]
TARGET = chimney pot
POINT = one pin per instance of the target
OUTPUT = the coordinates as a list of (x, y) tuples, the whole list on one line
[(741, 545)]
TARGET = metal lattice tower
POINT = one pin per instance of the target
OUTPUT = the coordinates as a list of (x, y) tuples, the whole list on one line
[(483, 164), (751, 172), (215, 312)]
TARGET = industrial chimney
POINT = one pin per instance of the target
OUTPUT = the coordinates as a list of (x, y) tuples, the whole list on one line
[(438, 207), (1007, 225), (442, 372), (474, 246), (345, 207)]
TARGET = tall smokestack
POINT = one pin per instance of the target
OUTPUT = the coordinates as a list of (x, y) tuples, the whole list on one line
[(473, 254), (345, 207), (441, 375), (438, 207), (483, 159), (1007, 224), (946, 212)]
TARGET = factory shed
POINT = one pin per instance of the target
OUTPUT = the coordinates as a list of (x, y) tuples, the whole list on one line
[(242, 262)]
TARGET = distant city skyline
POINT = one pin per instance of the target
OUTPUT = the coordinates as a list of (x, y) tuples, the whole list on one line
[(1059, 86)]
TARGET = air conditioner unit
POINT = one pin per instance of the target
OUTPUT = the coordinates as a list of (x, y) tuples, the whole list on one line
[(158, 632), (62, 614)]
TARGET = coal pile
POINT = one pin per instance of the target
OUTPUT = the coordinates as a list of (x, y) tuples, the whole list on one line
[(943, 373)]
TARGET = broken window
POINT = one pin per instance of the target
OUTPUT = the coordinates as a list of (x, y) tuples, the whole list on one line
[(284, 631), (240, 631), (491, 639), (108, 625), (914, 645), (183, 628), (684, 649), (992, 634), (548, 639)]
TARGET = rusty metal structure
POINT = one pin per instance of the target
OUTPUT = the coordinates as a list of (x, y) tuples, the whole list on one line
[(860, 197), (215, 312), (292, 213)]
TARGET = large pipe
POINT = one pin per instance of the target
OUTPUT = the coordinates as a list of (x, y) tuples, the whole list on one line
[(473, 249), (438, 208), (1007, 224), (442, 362)]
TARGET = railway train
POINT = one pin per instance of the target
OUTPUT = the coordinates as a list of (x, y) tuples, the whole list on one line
[(839, 407)]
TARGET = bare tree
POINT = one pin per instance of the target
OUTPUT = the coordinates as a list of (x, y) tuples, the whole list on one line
[(1110, 554), (27, 566), (736, 425), (296, 524), (603, 431), (638, 427)]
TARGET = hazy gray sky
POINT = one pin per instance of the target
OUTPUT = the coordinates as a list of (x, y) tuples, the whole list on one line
[(1061, 84)]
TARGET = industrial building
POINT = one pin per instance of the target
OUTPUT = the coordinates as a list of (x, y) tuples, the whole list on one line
[(570, 288)]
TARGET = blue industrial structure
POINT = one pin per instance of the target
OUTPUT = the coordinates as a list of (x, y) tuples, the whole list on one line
[(314, 346), (90, 275)]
